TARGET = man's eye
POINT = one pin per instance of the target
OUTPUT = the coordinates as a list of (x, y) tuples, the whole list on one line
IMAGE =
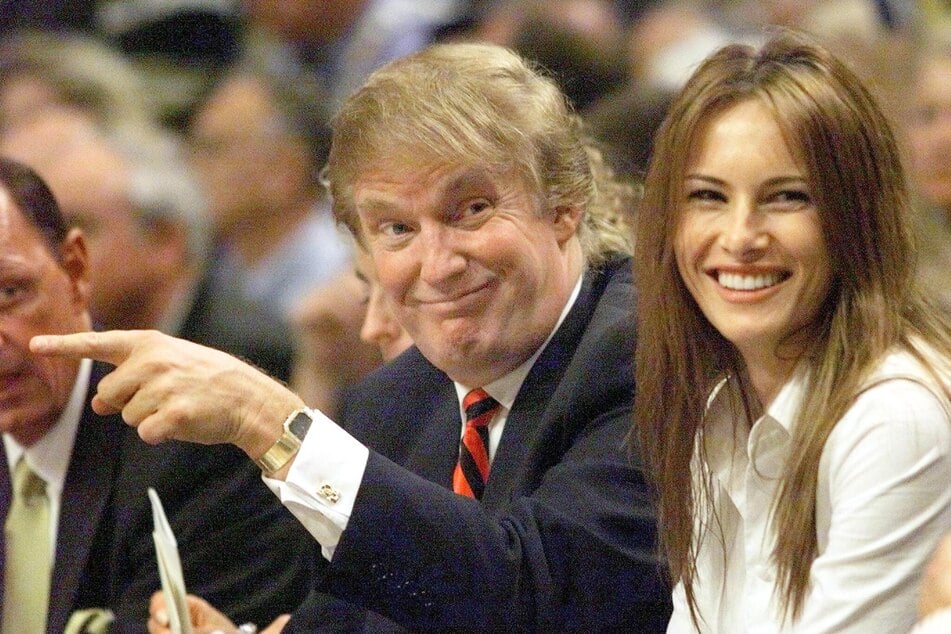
[(10, 293), (476, 207), (394, 229)]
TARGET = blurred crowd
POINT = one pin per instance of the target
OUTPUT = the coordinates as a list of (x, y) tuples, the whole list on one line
[(187, 138)]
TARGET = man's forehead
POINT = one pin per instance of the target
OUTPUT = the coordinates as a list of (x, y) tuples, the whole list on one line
[(22, 245), (385, 187)]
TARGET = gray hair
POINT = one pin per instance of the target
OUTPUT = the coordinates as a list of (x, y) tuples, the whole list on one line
[(160, 187)]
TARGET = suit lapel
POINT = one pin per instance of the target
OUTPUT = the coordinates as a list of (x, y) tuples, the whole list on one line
[(436, 445), (6, 496), (527, 416), (86, 492)]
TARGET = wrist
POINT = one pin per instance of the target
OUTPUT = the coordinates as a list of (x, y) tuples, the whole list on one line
[(277, 459), (265, 424)]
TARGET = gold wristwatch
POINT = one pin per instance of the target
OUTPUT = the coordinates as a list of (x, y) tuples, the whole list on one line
[(286, 447)]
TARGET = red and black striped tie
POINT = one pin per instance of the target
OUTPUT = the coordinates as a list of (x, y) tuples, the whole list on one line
[(472, 470)]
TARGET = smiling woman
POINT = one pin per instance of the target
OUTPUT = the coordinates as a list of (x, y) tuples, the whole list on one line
[(794, 390)]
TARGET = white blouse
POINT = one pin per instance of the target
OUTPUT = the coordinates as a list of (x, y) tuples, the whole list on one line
[(883, 502)]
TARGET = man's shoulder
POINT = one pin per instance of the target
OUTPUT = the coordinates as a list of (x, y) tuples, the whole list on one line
[(409, 380)]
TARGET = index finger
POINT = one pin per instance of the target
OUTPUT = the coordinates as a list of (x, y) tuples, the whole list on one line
[(113, 346)]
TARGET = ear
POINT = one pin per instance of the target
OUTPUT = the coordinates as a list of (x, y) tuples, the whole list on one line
[(75, 261), (566, 222)]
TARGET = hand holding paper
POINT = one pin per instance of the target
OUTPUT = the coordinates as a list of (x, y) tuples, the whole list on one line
[(170, 569)]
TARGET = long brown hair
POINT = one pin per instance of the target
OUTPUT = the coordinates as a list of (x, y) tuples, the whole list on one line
[(845, 145)]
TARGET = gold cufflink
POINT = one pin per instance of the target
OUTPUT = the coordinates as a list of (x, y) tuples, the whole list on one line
[(328, 493)]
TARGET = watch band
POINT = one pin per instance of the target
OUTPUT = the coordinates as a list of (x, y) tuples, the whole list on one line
[(286, 447)]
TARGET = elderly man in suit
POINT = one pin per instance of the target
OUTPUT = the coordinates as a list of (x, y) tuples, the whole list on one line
[(481, 481), (77, 544)]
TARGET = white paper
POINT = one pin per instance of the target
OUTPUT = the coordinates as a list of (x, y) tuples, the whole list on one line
[(170, 569)]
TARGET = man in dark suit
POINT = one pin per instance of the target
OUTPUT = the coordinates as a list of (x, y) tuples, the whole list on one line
[(501, 242), (99, 555)]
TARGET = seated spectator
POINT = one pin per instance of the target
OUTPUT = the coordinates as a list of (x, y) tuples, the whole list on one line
[(329, 326), (794, 389), (78, 546), (928, 126), (41, 69), (340, 42), (257, 144), (479, 477), (144, 222)]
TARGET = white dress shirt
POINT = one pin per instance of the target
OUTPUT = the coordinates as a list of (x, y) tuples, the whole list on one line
[(882, 504), (49, 456), (324, 479), (935, 623)]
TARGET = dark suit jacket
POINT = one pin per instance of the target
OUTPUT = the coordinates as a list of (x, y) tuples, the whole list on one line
[(222, 318), (564, 537), (240, 548)]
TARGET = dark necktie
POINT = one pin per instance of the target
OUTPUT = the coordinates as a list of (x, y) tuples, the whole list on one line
[(472, 470)]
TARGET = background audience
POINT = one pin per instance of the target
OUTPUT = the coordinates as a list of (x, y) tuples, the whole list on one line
[(230, 243), (258, 144), (77, 540)]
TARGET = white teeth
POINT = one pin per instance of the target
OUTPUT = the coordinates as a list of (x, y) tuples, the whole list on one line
[(737, 282)]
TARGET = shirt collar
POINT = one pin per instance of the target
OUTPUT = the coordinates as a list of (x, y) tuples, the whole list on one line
[(505, 389), (49, 456), (723, 435)]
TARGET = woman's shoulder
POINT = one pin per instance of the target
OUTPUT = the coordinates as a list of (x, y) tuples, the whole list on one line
[(907, 392), (925, 366)]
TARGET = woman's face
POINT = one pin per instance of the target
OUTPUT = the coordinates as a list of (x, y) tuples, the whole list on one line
[(749, 244)]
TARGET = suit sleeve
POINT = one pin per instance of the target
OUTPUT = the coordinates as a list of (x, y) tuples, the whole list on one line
[(576, 554), (240, 549)]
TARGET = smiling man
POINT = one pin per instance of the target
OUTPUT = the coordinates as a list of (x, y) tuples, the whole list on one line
[(481, 482)]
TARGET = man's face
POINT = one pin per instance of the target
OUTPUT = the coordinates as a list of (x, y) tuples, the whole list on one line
[(89, 181), (38, 295), (475, 268), (240, 152)]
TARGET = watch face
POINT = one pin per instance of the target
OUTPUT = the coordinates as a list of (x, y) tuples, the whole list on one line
[(300, 424)]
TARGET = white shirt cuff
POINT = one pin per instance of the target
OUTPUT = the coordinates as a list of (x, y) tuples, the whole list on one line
[(323, 481)]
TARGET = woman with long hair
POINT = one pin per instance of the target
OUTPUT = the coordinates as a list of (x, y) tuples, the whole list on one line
[(794, 387)]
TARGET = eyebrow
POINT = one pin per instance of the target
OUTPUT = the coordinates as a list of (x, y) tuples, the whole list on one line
[(469, 178), (772, 182)]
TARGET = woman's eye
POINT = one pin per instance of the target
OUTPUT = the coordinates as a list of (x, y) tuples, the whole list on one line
[(706, 195), (791, 198)]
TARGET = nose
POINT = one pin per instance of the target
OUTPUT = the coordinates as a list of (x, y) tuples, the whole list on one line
[(442, 259), (743, 235), (379, 324)]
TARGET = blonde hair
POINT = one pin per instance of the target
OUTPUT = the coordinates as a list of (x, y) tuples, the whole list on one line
[(846, 147), (479, 105)]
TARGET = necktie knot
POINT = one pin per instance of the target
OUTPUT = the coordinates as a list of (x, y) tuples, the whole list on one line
[(27, 485), (479, 407)]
